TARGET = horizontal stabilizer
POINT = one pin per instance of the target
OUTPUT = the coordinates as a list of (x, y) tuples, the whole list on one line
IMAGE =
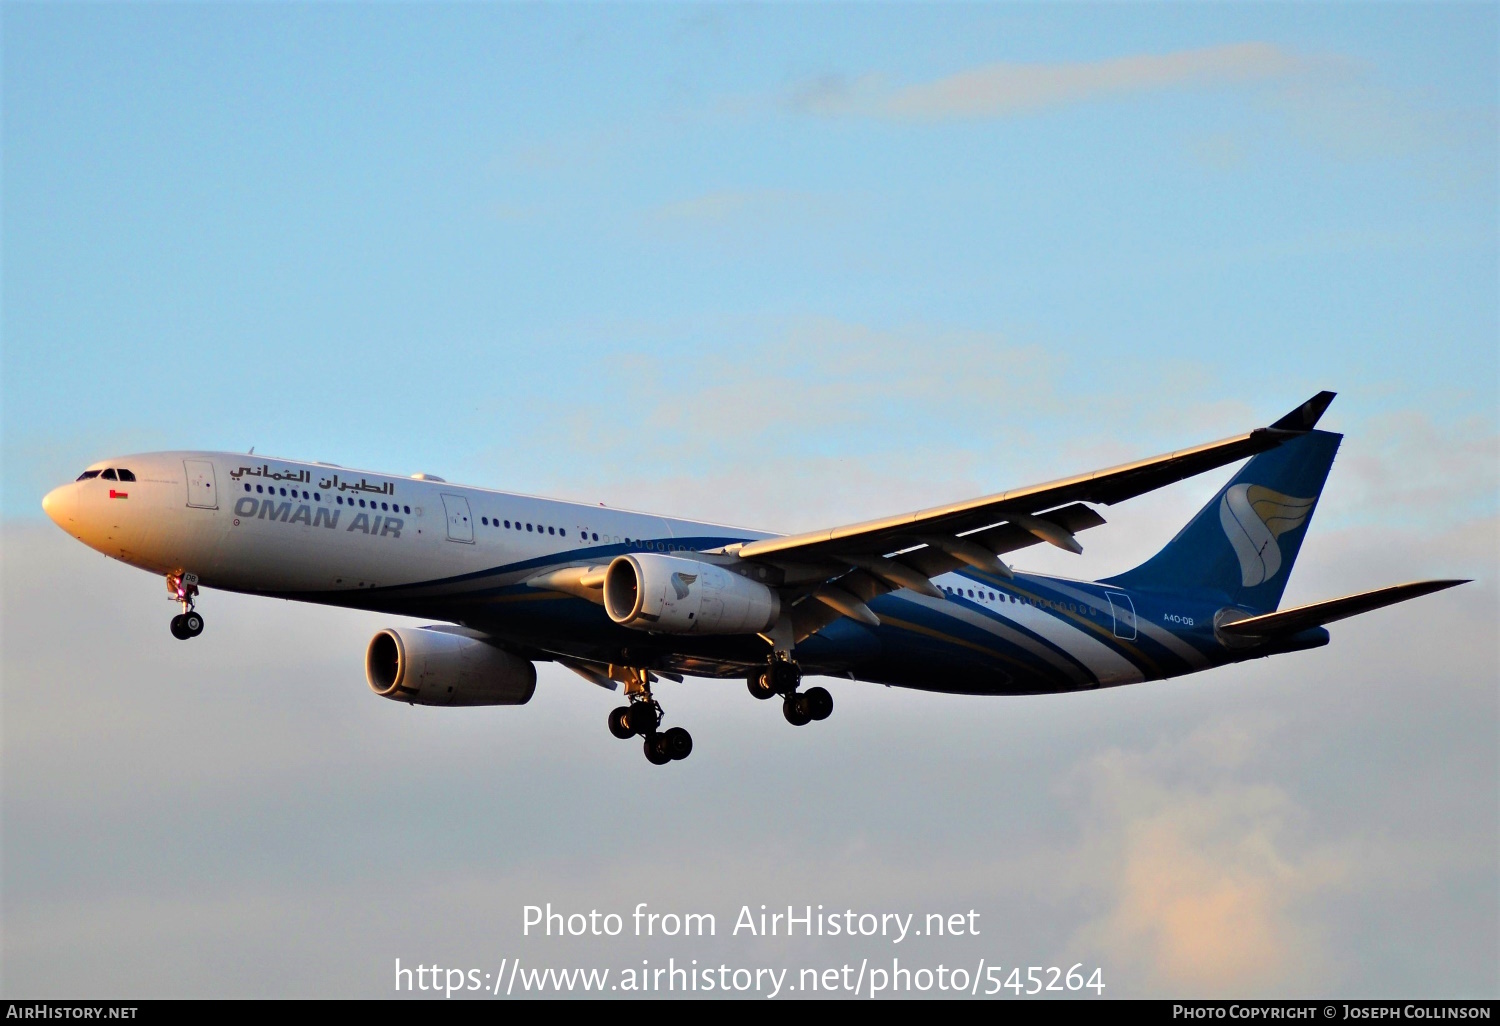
[(1300, 618)]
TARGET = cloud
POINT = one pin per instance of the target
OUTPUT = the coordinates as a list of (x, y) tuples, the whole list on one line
[(1405, 467), (738, 217), (818, 421), (819, 417), (1344, 113), (1007, 89), (1333, 104), (724, 205), (1203, 870)]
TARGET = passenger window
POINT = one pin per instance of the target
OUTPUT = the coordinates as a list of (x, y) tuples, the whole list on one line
[(528, 527), (109, 475), (551, 531), (126, 475), (563, 531)]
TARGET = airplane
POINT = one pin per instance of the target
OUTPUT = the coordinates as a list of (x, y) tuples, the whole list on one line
[(923, 600)]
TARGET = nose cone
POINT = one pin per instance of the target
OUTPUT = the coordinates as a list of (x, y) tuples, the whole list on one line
[(61, 504)]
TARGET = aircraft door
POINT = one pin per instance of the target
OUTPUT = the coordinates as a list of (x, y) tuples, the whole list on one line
[(1124, 610), (200, 484), (460, 522)]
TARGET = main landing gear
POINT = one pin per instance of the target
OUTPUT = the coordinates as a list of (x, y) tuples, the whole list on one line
[(183, 589), (642, 717), (781, 676)]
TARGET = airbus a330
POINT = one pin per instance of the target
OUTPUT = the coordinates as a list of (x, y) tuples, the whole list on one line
[(924, 600)]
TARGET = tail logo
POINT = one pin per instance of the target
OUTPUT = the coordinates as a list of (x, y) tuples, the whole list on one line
[(1253, 518)]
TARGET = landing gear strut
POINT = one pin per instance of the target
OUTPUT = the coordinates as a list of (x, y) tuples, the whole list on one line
[(781, 676), (182, 588), (642, 717)]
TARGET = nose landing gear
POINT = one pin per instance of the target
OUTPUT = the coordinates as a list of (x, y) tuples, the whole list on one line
[(642, 717), (183, 588)]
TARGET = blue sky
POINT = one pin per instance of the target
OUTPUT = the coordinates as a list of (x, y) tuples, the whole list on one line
[(412, 236), (785, 266)]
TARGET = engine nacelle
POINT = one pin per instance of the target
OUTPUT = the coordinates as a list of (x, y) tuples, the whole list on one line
[(674, 595), (445, 666)]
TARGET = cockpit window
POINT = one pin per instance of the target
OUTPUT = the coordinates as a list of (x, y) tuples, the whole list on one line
[(109, 475), (126, 475), (88, 474)]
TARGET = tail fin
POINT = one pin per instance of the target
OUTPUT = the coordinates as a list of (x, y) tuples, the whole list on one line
[(1241, 546)]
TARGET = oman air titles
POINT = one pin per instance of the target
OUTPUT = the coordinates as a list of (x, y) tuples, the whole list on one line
[(372, 524)]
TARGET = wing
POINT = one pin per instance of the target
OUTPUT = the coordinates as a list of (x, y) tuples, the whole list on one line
[(836, 572), (825, 575)]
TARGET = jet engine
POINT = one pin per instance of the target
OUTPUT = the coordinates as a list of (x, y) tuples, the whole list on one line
[(673, 595), (445, 666)]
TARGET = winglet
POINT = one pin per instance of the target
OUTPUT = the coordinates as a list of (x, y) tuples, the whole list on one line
[(1305, 417)]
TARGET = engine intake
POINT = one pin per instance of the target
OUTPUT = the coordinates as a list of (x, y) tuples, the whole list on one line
[(673, 595), (445, 666)]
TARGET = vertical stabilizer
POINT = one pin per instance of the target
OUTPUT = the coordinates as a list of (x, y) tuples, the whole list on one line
[(1241, 546)]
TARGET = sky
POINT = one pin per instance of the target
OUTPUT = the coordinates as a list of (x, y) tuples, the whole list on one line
[(785, 266)]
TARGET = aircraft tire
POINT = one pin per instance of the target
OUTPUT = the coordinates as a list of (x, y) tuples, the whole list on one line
[(760, 685), (656, 751), (794, 708), (677, 743), (819, 703), (619, 723)]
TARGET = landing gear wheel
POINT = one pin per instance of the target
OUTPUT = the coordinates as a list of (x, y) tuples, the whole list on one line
[(656, 750), (794, 708), (178, 631), (761, 685), (678, 743), (819, 703), (192, 624), (619, 723), (644, 718)]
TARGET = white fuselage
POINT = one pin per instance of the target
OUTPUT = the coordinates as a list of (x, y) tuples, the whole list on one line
[(247, 523)]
